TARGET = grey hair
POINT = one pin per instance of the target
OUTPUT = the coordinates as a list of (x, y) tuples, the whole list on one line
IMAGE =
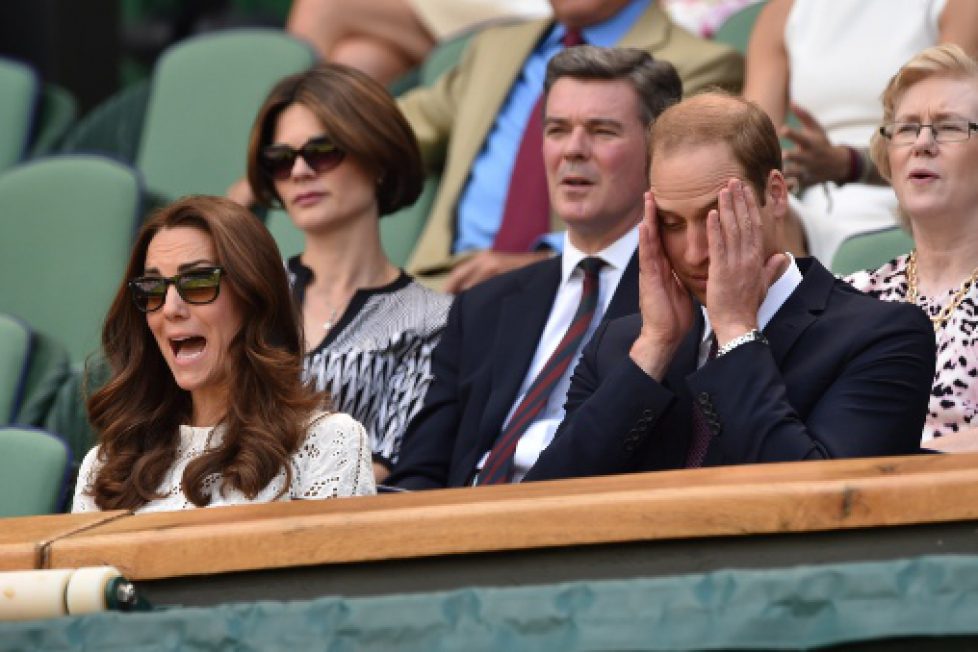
[(656, 82)]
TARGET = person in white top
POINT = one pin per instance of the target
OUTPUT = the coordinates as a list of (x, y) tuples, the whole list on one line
[(829, 63), (205, 405)]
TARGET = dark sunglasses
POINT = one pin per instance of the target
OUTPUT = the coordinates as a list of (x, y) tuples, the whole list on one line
[(321, 154), (198, 286)]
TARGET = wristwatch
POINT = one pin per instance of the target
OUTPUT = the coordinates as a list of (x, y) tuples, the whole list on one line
[(753, 335)]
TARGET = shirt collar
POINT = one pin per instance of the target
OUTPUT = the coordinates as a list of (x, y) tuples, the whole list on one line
[(607, 33), (776, 295), (616, 255)]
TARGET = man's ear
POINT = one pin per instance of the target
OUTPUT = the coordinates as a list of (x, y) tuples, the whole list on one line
[(777, 193)]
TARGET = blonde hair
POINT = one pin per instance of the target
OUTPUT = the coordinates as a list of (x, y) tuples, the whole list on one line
[(947, 60)]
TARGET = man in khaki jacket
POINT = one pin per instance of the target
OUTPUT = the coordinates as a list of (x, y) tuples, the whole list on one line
[(455, 120)]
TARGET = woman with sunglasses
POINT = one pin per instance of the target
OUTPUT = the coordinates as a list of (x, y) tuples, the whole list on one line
[(927, 148), (331, 147), (205, 405)]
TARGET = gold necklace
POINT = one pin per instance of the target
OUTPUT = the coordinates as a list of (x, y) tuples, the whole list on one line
[(940, 318)]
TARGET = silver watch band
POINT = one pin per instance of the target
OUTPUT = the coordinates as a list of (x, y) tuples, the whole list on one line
[(750, 336)]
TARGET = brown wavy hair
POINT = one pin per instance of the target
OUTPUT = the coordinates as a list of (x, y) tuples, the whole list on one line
[(359, 116), (138, 413)]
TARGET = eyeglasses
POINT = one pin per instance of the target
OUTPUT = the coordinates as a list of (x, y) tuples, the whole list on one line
[(198, 286), (321, 154), (945, 131)]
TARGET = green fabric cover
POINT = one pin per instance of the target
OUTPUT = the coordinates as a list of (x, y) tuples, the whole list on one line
[(59, 109), (793, 608), (32, 474), (19, 89), (871, 250), (15, 349), (68, 413), (205, 94), (48, 369), (113, 127), (736, 30), (68, 224)]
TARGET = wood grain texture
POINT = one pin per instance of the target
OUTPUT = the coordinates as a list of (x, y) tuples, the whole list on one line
[(23, 539), (745, 500)]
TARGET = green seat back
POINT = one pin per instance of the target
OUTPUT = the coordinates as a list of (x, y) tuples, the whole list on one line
[(15, 350), (49, 368), (735, 31), (400, 230), (59, 109), (204, 97), (68, 413), (113, 127), (33, 465), (290, 240), (870, 250), (19, 89), (68, 225)]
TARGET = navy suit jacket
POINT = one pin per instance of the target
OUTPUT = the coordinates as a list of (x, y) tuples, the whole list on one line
[(479, 365), (843, 375)]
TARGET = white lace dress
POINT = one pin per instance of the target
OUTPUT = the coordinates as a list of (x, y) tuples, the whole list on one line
[(333, 461)]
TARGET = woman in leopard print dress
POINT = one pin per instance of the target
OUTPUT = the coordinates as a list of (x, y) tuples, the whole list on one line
[(928, 149)]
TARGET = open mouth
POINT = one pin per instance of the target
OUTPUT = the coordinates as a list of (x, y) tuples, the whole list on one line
[(188, 348), (576, 182), (922, 175)]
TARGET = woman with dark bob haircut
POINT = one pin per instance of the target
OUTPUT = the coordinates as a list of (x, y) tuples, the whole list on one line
[(331, 147), (205, 405)]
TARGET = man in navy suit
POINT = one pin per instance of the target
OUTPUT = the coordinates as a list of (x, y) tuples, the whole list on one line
[(503, 335), (740, 354)]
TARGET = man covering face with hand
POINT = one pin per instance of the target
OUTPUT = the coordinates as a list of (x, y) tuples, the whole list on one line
[(740, 353)]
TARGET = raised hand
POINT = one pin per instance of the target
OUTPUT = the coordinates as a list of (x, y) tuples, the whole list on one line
[(740, 271), (667, 310), (813, 159)]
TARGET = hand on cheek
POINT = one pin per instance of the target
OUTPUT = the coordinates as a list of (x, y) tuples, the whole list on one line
[(740, 274), (667, 311)]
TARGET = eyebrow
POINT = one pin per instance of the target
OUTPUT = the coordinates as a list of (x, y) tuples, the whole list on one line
[(943, 115), (702, 211), (202, 262), (590, 122)]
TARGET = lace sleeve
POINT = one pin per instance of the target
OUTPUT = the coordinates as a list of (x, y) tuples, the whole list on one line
[(84, 501), (333, 461)]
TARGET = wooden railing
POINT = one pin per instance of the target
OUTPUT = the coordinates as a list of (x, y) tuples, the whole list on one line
[(715, 502)]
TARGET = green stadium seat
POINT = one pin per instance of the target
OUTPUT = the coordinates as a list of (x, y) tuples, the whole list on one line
[(58, 113), (68, 224), (735, 31), (205, 93), (15, 351), (33, 469), (871, 250), (19, 91)]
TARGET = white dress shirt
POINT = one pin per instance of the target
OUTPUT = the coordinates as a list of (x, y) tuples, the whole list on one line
[(541, 431)]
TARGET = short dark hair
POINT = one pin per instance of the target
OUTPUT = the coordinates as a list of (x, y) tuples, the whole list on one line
[(656, 82), (359, 116), (719, 117)]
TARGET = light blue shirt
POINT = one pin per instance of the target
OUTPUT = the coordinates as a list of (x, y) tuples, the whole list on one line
[(483, 199)]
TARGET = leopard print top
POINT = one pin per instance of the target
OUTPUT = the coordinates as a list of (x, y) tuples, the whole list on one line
[(954, 395)]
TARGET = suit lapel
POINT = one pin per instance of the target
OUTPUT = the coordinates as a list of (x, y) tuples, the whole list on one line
[(800, 310), (522, 316), (625, 299)]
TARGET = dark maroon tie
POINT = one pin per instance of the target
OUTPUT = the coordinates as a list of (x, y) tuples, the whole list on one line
[(499, 466), (702, 434), (526, 215)]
